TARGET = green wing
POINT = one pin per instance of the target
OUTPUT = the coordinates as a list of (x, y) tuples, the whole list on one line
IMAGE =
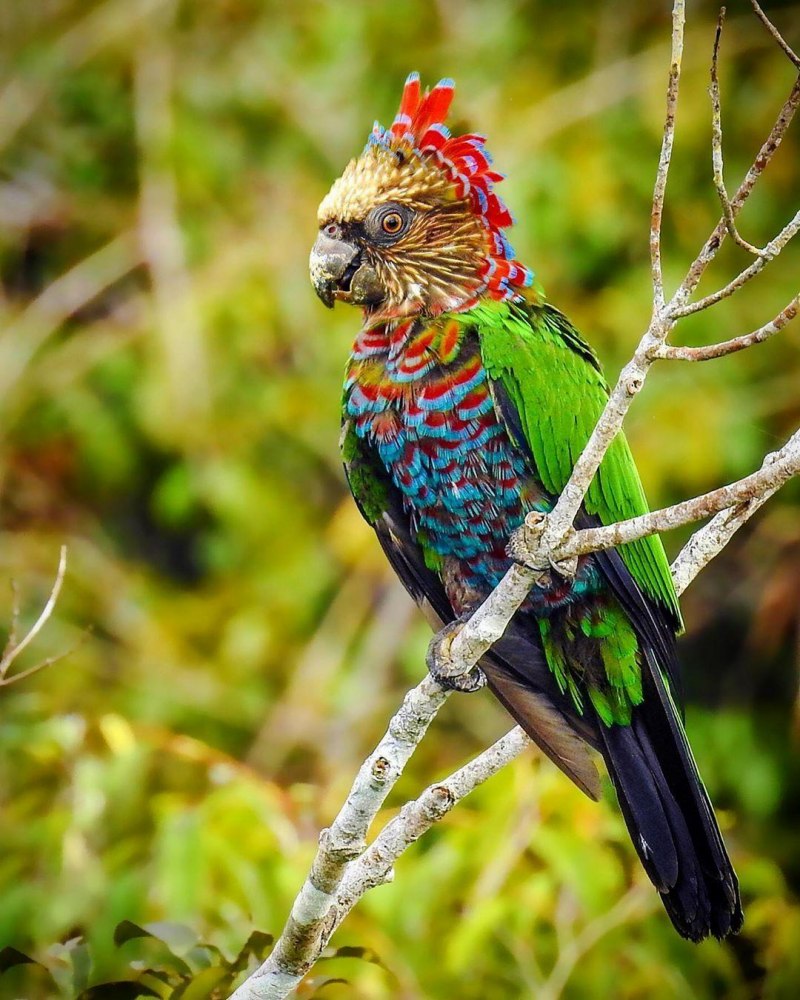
[(553, 379)]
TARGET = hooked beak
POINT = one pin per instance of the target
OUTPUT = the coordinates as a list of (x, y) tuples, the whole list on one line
[(338, 273)]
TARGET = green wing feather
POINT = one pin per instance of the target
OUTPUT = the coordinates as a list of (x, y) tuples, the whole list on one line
[(553, 379), (367, 482)]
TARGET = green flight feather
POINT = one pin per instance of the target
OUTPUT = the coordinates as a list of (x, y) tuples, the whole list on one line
[(367, 482), (554, 381), (559, 664)]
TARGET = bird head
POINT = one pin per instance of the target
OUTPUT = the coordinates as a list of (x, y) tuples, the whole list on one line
[(413, 226)]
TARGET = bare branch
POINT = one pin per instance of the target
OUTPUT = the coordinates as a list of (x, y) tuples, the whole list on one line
[(776, 34), (667, 142), (417, 817), (489, 622), (344, 869), (778, 468), (712, 351), (13, 650), (716, 147), (309, 925), (48, 662), (763, 157), (770, 252), (275, 978), (710, 540)]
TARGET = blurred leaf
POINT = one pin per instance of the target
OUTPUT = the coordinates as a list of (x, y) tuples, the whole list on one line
[(258, 945), (122, 990), (10, 957), (353, 951), (317, 989), (158, 932), (203, 984)]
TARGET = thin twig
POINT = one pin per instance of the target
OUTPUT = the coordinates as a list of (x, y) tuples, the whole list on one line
[(665, 157), (416, 817), (48, 662), (12, 652), (770, 252), (707, 543), (776, 34), (716, 147), (559, 522), (762, 159), (712, 351)]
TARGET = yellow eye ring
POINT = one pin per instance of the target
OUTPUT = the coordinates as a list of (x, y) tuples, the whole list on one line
[(392, 223)]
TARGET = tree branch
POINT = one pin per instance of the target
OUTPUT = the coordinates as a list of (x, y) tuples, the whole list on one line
[(417, 817), (770, 252), (764, 156), (709, 541), (716, 148), (344, 868), (309, 925), (665, 157), (793, 57), (777, 469), (712, 351), (317, 911)]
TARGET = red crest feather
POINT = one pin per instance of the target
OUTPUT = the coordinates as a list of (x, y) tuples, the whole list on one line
[(419, 129)]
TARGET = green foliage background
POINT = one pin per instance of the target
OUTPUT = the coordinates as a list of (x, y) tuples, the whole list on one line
[(169, 391)]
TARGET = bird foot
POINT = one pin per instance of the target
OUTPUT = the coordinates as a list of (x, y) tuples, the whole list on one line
[(440, 664), (526, 539)]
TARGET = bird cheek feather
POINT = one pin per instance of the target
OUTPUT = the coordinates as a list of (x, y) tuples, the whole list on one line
[(366, 287)]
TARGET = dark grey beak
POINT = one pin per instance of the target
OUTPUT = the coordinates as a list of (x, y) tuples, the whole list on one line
[(332, 264), (337, 272)]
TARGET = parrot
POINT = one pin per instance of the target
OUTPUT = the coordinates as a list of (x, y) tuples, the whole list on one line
[(467, 400)]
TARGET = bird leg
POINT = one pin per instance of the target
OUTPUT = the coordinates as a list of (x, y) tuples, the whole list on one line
[(440, 665), (525, 541)]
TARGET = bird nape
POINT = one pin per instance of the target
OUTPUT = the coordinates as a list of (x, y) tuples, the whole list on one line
[(467, 400)]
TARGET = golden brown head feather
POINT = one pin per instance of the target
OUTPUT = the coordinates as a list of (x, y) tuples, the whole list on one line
[(435, 265), (414, 226)]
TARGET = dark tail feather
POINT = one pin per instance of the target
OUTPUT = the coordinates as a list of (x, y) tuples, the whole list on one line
[(670, 818)]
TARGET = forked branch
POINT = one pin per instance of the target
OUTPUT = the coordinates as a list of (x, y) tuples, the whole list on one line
[(711, 352), (344, 868)]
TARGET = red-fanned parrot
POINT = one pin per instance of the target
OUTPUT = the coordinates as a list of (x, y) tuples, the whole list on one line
[(467, 400)]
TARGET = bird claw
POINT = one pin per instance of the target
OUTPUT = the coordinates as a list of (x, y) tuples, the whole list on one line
[(525, 540), (440, 665), (566, 568)]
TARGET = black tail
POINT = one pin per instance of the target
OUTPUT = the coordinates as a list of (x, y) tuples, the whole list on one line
[(670, 818)]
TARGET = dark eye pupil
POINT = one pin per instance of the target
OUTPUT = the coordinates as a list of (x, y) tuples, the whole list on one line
[(392, 223)]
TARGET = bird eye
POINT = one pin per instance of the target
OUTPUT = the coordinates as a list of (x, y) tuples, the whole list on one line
[(388, 222), (392, 223)]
